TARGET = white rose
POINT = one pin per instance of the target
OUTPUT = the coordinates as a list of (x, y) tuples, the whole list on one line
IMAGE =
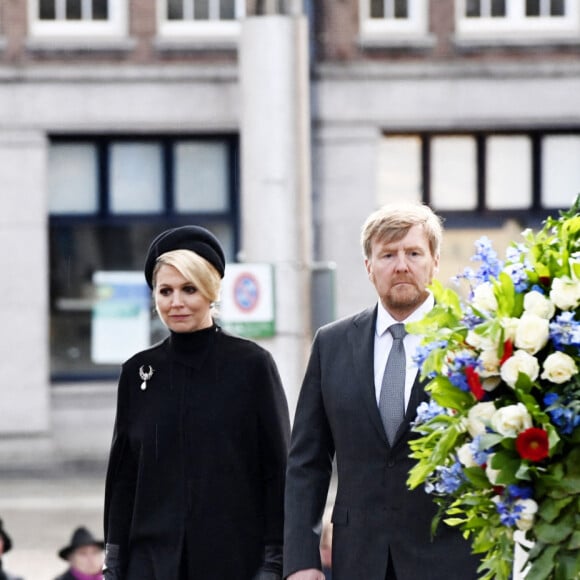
[(479, 341), (492, 474), (489, 363), (510, 326), (484, 298), (478, 418), (527, 515), (559, 368), (465, 456), (520, 362), (536, 303), (532, 333), (489, 384), (565, 293), (511, 420)]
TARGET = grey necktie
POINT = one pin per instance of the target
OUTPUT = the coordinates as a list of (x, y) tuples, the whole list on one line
[(392, 397)]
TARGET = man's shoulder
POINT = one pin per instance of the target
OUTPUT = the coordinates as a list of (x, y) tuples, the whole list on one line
[(360, 319)]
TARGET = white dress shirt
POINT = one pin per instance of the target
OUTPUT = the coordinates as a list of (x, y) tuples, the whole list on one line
[(384, 342)]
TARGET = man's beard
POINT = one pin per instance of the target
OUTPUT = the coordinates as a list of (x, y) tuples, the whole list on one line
[(409, 298)]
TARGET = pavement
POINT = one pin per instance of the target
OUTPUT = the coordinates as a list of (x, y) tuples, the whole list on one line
[(40, 510)]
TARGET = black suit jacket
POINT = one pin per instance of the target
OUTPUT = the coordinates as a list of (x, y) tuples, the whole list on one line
[(375, 513)]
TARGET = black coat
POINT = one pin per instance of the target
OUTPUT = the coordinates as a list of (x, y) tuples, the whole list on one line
[(198, 459), (66, 576), (375, 514)]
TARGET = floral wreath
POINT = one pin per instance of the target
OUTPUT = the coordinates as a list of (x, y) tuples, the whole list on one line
[(498, 443)]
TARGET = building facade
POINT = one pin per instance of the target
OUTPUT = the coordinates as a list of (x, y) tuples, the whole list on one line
[(280, 126)]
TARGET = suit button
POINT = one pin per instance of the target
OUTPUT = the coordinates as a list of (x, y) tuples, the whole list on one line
[(391, 463)]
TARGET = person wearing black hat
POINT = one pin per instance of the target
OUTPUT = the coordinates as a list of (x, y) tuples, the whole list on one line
[(85, 556), (196, 472), (5, 546)]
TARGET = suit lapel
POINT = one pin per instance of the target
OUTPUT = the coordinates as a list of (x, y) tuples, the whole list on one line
[(361, 340)]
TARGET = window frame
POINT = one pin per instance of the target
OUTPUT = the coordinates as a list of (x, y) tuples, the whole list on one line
[(515, 22), (482, 215), (388, 30), (169, 216), (116, 26), (191, 29)]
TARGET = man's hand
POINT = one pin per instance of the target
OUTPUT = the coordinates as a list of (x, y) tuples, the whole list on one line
[(310, 574)]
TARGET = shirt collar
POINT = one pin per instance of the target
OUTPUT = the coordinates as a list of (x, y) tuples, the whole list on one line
[(384, 319)]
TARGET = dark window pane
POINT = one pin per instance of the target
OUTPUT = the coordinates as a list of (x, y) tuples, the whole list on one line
[(201, 10), (498, 8), (100, 10), (73, 9), (175, 10), (227, 10), (532, 7), (377, 9), (401, 9), (473, 8), (46, 10), (557, 8)]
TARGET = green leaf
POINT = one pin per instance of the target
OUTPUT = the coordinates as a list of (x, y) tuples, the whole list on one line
[(550, 509), (542, 567), (556, 532), (568, 567), (574, 543)]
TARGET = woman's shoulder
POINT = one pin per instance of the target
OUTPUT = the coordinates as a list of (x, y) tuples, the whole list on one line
[(241, 345)]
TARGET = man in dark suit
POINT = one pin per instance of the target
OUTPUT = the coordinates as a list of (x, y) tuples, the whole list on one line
[(381, 529)]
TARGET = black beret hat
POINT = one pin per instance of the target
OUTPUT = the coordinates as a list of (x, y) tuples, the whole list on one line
[(81, 537), (5, 537), (194, 238)]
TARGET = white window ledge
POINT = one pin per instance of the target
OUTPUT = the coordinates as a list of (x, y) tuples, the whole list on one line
[(482, 42), (81, 44), (199, 43), (393, 41)]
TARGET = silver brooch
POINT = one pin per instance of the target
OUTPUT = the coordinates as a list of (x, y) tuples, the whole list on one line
[(145, 375)]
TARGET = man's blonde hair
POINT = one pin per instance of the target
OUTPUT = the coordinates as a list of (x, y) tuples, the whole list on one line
[(193, 268), (391, 222)]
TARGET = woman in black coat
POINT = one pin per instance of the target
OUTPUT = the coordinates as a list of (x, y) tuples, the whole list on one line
[(196, 471)]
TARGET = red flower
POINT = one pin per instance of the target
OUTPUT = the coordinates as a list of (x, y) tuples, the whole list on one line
[(508, 350), (533, 444), (474, 383)]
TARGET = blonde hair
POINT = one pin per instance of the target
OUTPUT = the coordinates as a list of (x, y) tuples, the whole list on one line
[(193, 268), (391, 222)]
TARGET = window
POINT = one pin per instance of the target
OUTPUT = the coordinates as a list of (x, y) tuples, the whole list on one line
[(77, 18), (479, 176), (108, 198), (206, 19), (392, 21), (504, 18)]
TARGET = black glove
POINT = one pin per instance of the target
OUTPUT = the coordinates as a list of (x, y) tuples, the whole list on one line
[(112, 569), (271, 568)]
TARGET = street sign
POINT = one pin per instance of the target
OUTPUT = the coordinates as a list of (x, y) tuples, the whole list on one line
[(247, 300)]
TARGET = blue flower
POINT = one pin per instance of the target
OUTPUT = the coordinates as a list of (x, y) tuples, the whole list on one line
[(509, 513), (480, 456), (550, 399), (519, 276), (447, 479), (428, 410), (422, 353), (565, 330), (520, 492), (490, 265)]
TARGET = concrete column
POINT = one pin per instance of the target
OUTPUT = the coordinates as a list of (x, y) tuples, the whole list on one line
[(275, 162), (24, 374)]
